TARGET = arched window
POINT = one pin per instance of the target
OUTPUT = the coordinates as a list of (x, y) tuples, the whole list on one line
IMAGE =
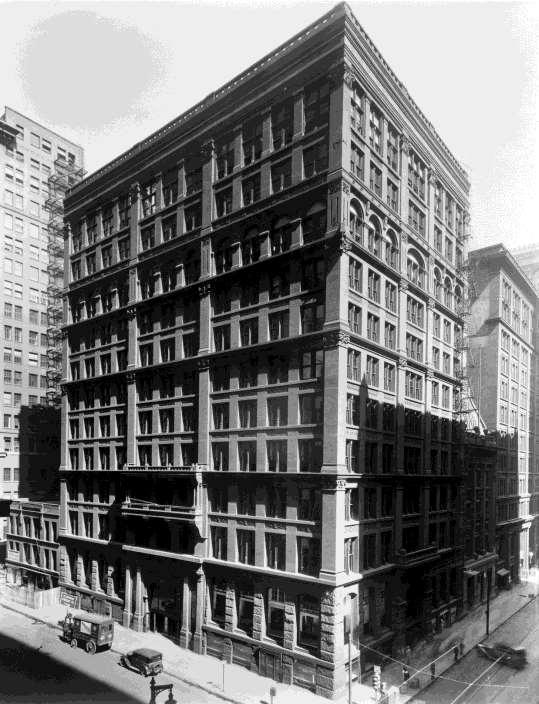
[(415, 268), (356, 221), (437, 285), (391, 252), (448, 292), (250, 247), (281, 236), (374, 242), (314, 223)]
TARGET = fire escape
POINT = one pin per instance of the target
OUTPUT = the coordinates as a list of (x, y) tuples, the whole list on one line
[(64, 175)]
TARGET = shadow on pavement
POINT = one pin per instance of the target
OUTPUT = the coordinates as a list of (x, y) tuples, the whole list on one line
[(27, 674)]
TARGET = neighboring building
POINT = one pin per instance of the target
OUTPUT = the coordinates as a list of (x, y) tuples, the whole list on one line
[(480, 558), (500, 368), (32, 550), (30, 299), (528, 259), (262, 357)]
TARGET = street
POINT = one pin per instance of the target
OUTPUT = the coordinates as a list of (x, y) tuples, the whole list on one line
[(501, 684), (36, 666)]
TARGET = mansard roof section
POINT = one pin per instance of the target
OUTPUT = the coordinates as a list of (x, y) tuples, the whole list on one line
[(282, 59), (398, 92), (498, 256)]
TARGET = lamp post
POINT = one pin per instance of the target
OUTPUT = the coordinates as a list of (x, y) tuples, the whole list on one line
[(156, 689)]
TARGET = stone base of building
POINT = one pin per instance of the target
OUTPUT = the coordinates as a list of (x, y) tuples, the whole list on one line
[(325, 679)]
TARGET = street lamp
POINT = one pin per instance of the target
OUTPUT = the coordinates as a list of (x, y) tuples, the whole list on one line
[(156, 689)]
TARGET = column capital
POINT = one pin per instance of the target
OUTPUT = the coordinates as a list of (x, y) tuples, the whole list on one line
[(131, 312), (341, 74), (403, 362), (130, 377), (335, 338), (208, 149), (405, 144), (204, 288), (134, 191), (338, 186)]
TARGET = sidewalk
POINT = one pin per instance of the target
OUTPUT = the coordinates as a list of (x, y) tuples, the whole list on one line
[(201, 671), (245, 687)]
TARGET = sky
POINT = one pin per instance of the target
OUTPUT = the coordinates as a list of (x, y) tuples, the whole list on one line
[(107, 74)]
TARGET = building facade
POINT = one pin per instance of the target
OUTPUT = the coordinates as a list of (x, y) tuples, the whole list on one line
[(259, 453), (528, 260), (479, 525), (29, 153), (32, 549), (500, 361)]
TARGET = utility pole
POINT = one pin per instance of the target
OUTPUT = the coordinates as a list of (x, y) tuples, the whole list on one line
[(489, 582)]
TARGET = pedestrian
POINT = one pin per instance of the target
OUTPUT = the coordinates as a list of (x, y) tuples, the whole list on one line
[(405, 673)]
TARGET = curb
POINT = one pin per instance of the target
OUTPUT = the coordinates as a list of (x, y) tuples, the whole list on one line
[(197, 685)]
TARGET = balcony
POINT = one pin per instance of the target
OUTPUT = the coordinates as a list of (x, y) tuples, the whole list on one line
[(413, 558), (169, 469), (169, 512)]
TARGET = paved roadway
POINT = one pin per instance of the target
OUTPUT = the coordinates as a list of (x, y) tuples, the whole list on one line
[(36, 666), (506, 685)]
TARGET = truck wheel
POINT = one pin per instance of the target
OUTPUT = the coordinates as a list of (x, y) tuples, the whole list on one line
[(90, 647), (73, 643)]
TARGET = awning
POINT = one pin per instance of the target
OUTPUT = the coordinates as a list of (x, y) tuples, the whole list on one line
[(471, 573), (502, 573)]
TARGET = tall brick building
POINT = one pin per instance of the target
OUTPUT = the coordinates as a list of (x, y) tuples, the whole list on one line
[(262, 358), (30, 300), (501, 359)]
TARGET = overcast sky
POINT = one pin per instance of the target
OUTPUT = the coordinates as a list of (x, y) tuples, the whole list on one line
[(106, 74)]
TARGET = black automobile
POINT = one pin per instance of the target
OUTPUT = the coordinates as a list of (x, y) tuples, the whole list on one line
[(505, 654), (144, 660)]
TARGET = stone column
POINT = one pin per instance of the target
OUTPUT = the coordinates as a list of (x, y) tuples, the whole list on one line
[(405, 150), (341, 80), (331, 642), (138, 616), (431, 184), (267, 143), (259, 620), (134, 200), (332, 540), (128, 598), (208, 175), (200, 615), (185, 629), (297, 151)]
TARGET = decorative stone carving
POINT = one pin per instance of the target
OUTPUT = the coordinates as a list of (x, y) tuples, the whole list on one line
[(405, 143), (432, 175), (203, 364), (131, 312), (341, 484), (204, 289), (403, 362), (431, 302), (134, 192), (130, 377), (335, 338), (207, 149), (403, 286)]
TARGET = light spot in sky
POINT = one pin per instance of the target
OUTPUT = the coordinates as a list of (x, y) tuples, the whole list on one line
[(87, 71)]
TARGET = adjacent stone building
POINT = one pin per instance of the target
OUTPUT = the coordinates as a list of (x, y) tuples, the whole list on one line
[(528, 260), (262, 359), (500, 368)]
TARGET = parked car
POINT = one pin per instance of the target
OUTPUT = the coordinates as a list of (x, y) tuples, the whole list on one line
[(92, 630), (144, 660), (512, 657)]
